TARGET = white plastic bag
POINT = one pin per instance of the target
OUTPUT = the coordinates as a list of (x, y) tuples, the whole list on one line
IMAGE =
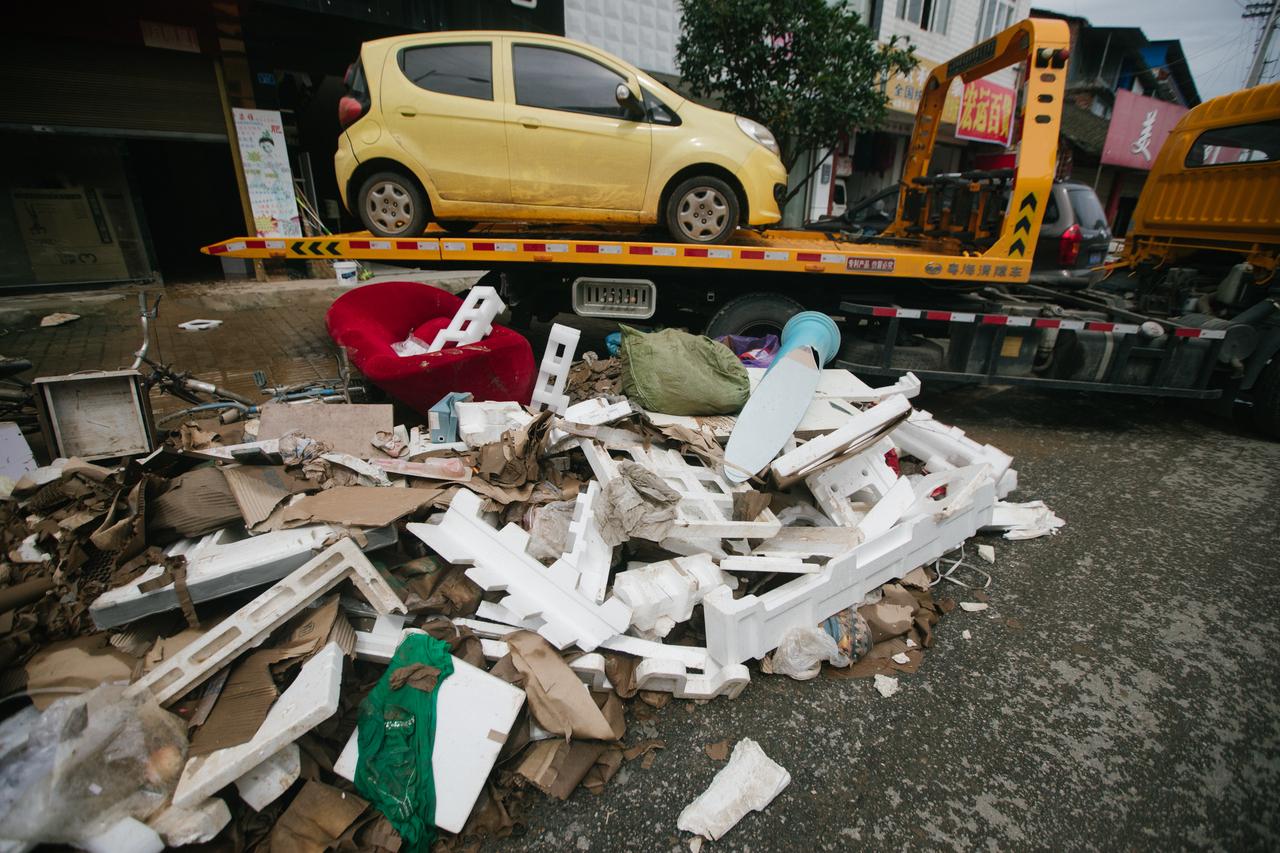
[(801, 653)]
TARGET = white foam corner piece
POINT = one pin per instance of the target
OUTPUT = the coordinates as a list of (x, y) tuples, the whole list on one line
[(498, 562), (264, 784), (477, 710), (597, 411), (749, 782), (220, 563), (311, 699), (861, 430), (474, 319), (1025, 520), (557, 358), (941, 447), (251, 624), (739, 629), (127, 835), (863, 478), (757, 564), (380, 643), (663, 667), (588, 554), (897, 502), (662, 594), (485, 422), (180, 827), (958, 485), (705, 510)]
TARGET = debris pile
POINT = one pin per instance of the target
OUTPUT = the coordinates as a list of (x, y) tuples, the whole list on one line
[(336, 630)]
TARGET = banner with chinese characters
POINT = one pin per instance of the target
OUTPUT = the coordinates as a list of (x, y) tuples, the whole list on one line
[(266, 173), (1139, 127), (905, 91), (986, 113)]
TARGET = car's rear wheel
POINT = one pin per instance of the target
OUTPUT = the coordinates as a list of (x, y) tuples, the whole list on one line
[(392, 205), (702, 209)]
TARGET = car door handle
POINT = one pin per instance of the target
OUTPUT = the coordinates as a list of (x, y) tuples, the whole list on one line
[(408, 112), (530, 122)]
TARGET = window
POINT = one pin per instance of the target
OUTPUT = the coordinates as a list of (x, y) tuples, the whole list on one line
[(656, 112), (929, 15), (1087, 208), (1244, 143), (994, 16), (465, 70), (1051, 212), (559, 80)]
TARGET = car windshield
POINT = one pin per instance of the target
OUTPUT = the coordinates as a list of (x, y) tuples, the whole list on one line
[(1088, 209)]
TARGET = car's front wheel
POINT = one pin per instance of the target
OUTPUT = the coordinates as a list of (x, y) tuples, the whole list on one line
[(702, 209), (392, 205)]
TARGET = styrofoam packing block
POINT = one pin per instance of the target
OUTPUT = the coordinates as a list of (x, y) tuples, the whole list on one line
[(127, 835), (663, 667), (251, 624), (477, 711), (662, 594), (809, 542), (739, 629), (221, 563), (888, 511), (311, 699), (180, 827), (705, 509), (941, 447), (862, 478), (474, 319), (498, 562), (553, 372), (485, 422), (587, 552), (960, 484), (781, 565), (867, 424), (380, 643), (597, 411), (264, 784)]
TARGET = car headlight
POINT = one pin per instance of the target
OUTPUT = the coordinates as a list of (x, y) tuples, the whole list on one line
[(759, 133)]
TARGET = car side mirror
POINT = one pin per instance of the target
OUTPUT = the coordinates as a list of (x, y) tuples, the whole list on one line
[(627, 99)]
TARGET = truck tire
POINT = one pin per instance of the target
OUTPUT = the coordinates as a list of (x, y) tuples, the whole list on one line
[(756, 314), (392, 204), (702, 210), (1266, 400)]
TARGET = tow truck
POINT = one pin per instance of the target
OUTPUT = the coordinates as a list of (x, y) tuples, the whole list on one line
[(942, 291)]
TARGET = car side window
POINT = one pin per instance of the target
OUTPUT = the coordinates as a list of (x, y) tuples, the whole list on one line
[(555, 79), (465, 70), (1229, 146), (656, 112), (1051, 212)]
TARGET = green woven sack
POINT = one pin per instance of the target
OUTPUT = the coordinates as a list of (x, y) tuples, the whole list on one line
[(677, 373)]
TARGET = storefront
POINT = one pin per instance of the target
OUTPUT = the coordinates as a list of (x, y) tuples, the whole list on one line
[(1138, 130)]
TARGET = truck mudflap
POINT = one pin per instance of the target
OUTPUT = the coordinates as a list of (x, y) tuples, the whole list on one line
[(1006, 349)]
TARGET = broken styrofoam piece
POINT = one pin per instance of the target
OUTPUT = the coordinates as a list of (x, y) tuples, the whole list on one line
[(477, 711), (1025, 520), (587, 553), (781, 565), (380, 643), (374, 475), (251, 624), (474, 319), (705, 509), (498, 561), (739, 629), (597, 411), (748, 783), (127, 835), (180, 827), (264, 784), (957, 484), (941, 447), (896, 502), (863, 478), (987, 552), (662, 594), (311, 699), (886, 685), (485, 422), (862, 430), (221, 563), (663, 667), (973, 606), (809, 542), (553, 373), (410, 346)]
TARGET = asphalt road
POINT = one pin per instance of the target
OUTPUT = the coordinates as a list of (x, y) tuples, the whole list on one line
[(1120, 692)]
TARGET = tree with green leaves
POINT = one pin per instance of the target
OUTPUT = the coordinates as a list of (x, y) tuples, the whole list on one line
[(809, 70)]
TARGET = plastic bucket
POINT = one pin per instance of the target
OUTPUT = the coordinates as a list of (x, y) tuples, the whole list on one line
[(346, 272), (810, 329)]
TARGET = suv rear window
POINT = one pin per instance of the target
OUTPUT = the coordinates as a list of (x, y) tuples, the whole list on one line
[(1243, 143), (1088, 209), (556, 79), (465, 70)]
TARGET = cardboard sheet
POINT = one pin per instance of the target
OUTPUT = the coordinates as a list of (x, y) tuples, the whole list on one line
[(75, 666), (359, 506), (346, 429), (555, 693), (316, 819), (257, 489), (195, 503)]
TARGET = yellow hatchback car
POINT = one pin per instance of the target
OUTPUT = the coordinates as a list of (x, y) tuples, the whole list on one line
[(460, 127)]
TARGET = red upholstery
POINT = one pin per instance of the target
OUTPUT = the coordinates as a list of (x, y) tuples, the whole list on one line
[(368, 320)]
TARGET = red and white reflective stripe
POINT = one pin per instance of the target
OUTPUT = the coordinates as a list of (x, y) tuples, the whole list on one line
[(478, 246), (1026, 322), (1208, 334), (454, 246), (418, 245), (827, 258)]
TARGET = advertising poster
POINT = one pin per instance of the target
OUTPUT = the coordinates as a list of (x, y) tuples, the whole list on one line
[(1139, 127), (267, 174), (986, 113)]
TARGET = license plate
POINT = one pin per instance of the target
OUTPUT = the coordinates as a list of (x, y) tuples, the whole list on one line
[(1096, 257)]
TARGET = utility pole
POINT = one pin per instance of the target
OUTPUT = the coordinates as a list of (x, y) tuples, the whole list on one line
[(1259, 10)]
